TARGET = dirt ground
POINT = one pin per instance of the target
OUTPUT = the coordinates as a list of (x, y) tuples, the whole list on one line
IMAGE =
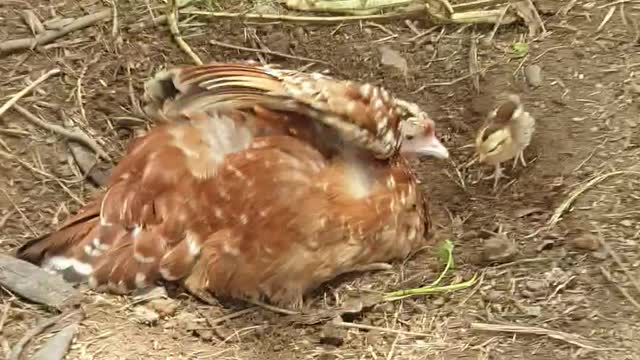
[(560, 278)]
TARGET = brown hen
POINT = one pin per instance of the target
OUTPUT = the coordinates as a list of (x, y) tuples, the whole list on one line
[(238, 193)]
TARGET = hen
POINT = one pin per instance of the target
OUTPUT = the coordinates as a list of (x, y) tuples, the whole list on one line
[(245, 191), (504, 136)]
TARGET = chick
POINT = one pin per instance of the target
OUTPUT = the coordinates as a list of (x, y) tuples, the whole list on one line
[(504, 136)]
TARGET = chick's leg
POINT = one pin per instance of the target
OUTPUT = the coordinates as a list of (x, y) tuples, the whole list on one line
[(497, 174), (520, 157)]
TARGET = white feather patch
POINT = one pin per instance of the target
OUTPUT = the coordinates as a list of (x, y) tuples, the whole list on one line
[(143, 259), (167, 275), (193, 244), (99, 245), (136, 231), (92, 251), (141, 280), (358, 184), (59, 263)]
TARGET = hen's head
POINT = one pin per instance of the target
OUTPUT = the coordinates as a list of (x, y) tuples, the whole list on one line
[(418, 132)]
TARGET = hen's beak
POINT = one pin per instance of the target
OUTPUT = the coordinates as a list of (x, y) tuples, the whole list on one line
[(433, 147), (429, 146)]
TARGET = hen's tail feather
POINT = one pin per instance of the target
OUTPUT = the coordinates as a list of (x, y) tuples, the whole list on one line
[(73, 230)]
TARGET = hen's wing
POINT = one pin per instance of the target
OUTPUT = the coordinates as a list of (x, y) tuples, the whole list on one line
[(142, 224), (363, 114)]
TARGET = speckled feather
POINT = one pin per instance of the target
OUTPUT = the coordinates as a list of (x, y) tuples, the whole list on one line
[(363, 114)]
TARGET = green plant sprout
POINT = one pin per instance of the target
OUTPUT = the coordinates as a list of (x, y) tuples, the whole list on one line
[(520, 49), (445, 251)]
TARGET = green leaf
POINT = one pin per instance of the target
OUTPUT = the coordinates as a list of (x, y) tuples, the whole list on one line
[(445, 253), (520, 49)]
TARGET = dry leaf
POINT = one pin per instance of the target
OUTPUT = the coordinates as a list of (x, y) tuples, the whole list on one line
[(528, 12), (393, 58), (32, 21), (87, 162)]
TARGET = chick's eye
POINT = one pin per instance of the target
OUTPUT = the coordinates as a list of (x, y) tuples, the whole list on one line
[(409, 137)]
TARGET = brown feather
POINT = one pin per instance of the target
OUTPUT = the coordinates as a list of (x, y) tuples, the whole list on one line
[(250, 190)]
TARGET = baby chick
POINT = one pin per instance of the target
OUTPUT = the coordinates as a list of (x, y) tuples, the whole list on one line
[(504, 136)]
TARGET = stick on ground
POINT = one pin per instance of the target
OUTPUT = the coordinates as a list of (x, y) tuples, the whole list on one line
[(74, 135), (56, 348), (574, 339), (24, 91), (557, 214), (172, 19), (35, 284), (18, 348), (49, 36), (268, 52)]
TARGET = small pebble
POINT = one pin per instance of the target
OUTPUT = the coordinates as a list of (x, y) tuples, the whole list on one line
[(533, 73), (485, 42), (493, 296), (535, 311), (145, 315), (536, 285), (545, 245), (579, 314), (600, 255), (469, 235), (164, 307), (332, 335), (626, 222), (439, 301), (585, 241), (499, 249)]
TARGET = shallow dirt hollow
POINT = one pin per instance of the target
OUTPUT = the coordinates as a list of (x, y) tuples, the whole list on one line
[(588, 114)]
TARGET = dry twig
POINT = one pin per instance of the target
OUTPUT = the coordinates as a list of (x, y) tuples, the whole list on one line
[(379, 329), (557, 214), (19, 346), (622, 290), (75, 135), (14, 99), (56, 347), (51, 35), (273, 308), (618, 260), (606, 19), (36, 284), (498, 23), (473, 63), (172, 19), (574, 339), (268, 52), (418, 13)]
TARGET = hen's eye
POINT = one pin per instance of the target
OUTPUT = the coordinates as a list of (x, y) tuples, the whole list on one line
[(409, 137)]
